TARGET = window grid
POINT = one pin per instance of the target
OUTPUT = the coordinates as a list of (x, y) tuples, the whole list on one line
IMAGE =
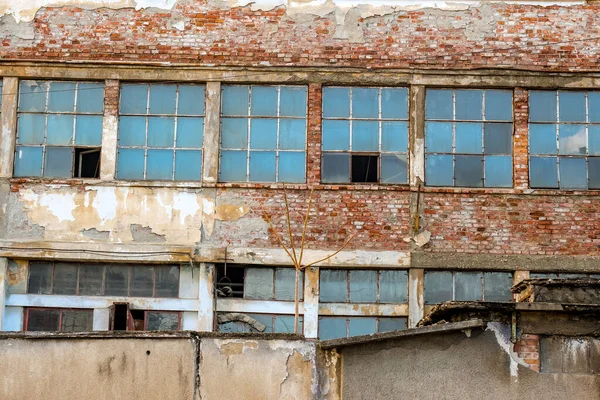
[(348, 319), (239, 326), (482, 277), (147, 115), (60, 311), (275, 281), (377, 283)]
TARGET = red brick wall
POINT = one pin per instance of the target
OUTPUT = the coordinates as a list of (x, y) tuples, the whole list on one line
[(528, 348)]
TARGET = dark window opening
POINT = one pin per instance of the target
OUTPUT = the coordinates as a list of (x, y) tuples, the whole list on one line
[(119, 317), (230, 281), (87, 163), (125, 319), (364, 168)]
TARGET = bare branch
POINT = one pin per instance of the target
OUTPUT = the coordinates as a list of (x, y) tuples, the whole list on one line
[(289, 224), (305, 225), (279, 239), (331, 255)]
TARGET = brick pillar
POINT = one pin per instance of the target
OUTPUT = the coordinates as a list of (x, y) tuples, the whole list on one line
[(521, 139), (110, 128), (313, 138)]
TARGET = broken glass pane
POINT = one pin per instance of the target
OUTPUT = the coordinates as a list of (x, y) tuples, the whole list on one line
[(469, 137), (336, 168), (31, 128), (32, 96), (365, 136), (90, 280), (394, 103), (162, 99), (292, 134), (142, 281), (234, 133), (293, 101), (88, 130), (394, 168), (497, 138), (543, 172), (394, 136), (336, 135), (332, 328), (393, 286), (542, 138), (439, 170), (40, 320), (291, 166), (469, 171), (258, 284), (134, 99), (264, 101), (191, 100), (333, 286), (90, 98), (365, 103), (40, 278), (130, 164), (190, 132), (188, 165), (61, 97), (285, 324), (498, 171), (468, 286), (232, 166), (438, 104), (117, 280), (437, 287), (59, 162), (60, 129), (262, 166), (161, 131), (391, 324), (65, 279), (336, 102), (497, 286), (159, 164), (573, 173), (28, 161), (284, 284), (265, 319), (572, 139), (162, 321), (498, 105), (167, 281), (438, 137), (468, 105), (361, 326), (263, 133), (235, 100), (363, 286), (77, 321), (571, 106)]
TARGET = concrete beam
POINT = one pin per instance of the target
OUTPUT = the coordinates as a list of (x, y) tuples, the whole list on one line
[(8, 125), (415, 296), (212, 133), (364, 310), (206, 303), (258, 306)]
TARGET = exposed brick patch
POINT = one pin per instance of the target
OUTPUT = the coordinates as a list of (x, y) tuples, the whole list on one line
[(528, 349)]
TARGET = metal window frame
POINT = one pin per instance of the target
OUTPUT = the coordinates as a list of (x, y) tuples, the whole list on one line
[(247, 329), (348, 317), (60, 315), (377, 284), (273, 294), (454, 272), (179, 317)]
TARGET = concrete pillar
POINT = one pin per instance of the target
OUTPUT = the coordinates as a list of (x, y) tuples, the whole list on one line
[(101, 319), (206, 303), (212, 133), (110, 130), (518, 277), (3, 274), (8, 125), (311, 302), (416, 134), (415, 296)]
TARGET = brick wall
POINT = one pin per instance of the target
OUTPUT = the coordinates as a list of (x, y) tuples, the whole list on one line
[(528, 348)]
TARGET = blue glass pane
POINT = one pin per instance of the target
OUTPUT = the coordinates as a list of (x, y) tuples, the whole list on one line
[(31, 128), (32, 96), (162, 99), (438, 137), (61, 96), (336, 102), (437, 287), (498, 171), (134, 99), (159, 164), (439, 170), (365, 103), (264, 101), (235, 100), (393, 287), (469, 104), (60, 129), (292, 166), (391, 324), (542, 138), (292, 134), (88, 130), (332, 328), (263, 133), (190, 132), (498, 105), (363, 286), (542, 106), (594, 106), (468, 286), (497, 138), (293, 101), (497, 286), (438, 104), (594, 139), (130, 164), (234, 133), (90, 98), (358, 326), (161, 131), (572, 139), (543, 172), (571, 106), (469, 137), (365, 136), (132, 131), (262, 166), (394, 136), (285, 324), (468, 171), (573, 173), (594, 172), (394, 103), (333, 286), (335, 168), (28, 161), (59, 162), (191, 100), (188, 165), (232, 167), (336, 135), (394, 168)]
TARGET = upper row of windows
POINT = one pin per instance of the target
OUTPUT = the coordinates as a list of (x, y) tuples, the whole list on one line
[(468, 134)]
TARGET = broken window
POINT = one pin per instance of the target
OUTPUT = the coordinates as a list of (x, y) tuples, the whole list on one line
[(263, 134), (441, 286), (363, 286), (59, 129), (161, 130), (341, 327), (564, 139), (365, 135), (58, 320), (272, 323), (75, 279), (125, 319), (258, 283), (468, 138)]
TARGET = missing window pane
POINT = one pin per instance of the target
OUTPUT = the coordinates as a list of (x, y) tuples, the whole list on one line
[(87, 163), (230, 281), (365, 168)]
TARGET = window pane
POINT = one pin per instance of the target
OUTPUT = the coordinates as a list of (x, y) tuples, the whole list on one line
[(258, 283), (65, 279), (132, 131), (498, 105), (439, 170), (61, 97), (336, 102), (365, 103), (130, 164), (594, 106), (264, 100), (31, 128), (391, 324), (438, 137), (468, 104), (594, 172), (542, 106), (42, 320), (332, 328), (232, 166), (231, 327), (468, 286), (159, 164), (468, 137), (90, 280), (32, 96), (438, 104), (469, 171), (333, 286), (162, 321), (293, 101), (394, 103), (234, 133), (59, 162), (498, 171), (90, 98), (573, 173), (77, 321), (28, 161), (167, 281), (263, 133), (393, 287), (285, 324), (363, 286), (60, 129), (394, 136), (235, 100), (336, 168), (161, 131), (365, 136), (571, 106), (542, 138), (438, 287), (142, 281), (497, 138), (117, 281), (40, 278), (394, 168), (497, 286), (543, 172), (284, 284), (265, 319), (191, 100), (133, 99), (594, 139), (162, 99), (292, 134), (88, 130), (362, 326), (262, 166), (336, 135), (190, 132), (292, 166), (188, 165), (572, 139)]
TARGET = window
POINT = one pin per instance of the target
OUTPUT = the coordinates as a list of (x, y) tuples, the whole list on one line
[(365, 135), (564, 139), (273, 324), (58, 320), (161, 129), (75, 279), (441, 286), (562, 275), (468, 138), (263, 134), (340, 327), (59, 129), (258, 283), (363, 286)]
